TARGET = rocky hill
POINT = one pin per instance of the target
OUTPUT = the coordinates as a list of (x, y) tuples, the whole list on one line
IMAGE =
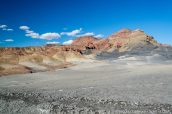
[(50, 57), (124, 40), (34, 59)]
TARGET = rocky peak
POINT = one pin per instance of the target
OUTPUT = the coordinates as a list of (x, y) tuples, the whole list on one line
[(84, 40), (124, 33)]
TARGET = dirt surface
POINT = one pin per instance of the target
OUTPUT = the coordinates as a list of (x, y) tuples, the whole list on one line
[(124, 86)]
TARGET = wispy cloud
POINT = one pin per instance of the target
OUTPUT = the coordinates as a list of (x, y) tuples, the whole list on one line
[(86, 34), (9, 30), (24, 27), (68, 42), (91, 34), (72, 33), (53, 42), (49, 36), (99, 36), (32, 34), (5, 28), (9, 40)]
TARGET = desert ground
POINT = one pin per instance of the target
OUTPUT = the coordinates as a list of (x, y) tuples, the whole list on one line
[(127, 85)]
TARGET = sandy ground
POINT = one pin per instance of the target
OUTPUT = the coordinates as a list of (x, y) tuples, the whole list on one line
[(125, 86)]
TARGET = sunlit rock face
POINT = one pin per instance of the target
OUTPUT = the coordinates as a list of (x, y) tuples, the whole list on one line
[(51, 56), (34, 59)]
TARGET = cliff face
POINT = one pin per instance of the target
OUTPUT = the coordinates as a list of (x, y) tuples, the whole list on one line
[(124, 40), (33, 59)]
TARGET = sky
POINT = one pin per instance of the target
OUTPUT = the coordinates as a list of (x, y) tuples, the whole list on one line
[(40, 22)]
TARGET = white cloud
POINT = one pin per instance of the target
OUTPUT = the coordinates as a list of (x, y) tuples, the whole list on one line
[(86, 34), (91, 34), (29, 31), (53, 42), (3, 26), (72, 33), (32, 34), (24, 27), (9, 40), (10, 30), (50, 36), (99, 36), (68, 42)]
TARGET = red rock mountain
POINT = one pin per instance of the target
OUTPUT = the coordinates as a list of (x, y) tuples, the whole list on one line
[(33, 59), (123, 41)]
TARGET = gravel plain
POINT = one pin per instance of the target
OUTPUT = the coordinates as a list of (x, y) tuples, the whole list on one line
[(124, 86)]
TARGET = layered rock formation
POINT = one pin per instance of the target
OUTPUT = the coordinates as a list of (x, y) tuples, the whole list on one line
[(123, 40), (33, 59)]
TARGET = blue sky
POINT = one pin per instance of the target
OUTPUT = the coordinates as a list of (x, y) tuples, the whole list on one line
[(37, 22)]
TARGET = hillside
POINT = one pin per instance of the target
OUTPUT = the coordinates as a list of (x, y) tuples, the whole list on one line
[(50, 57)]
